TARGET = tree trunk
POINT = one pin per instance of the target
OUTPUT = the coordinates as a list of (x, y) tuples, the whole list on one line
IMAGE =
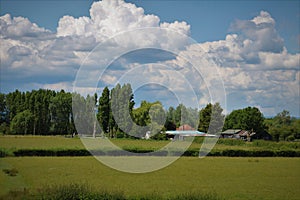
[(94, 130)]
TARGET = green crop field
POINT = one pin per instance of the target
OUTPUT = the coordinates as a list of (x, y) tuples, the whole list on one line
[(60, 142), (227, 177), (231, 178)]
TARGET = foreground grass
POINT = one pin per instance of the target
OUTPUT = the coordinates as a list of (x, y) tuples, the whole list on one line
[(229, 178), (85, 192)]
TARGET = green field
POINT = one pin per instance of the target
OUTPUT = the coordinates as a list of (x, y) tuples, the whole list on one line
[(60, 142), (231, 178), (227, 177)]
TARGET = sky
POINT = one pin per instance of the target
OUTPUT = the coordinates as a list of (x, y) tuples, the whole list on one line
[(238, 53)]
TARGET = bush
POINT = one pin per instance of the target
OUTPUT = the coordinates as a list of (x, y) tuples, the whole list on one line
[(159, 136), (287, 153), (191, 152), (17, 195), (11, 172), (3, 153), (290, 138), (76, 192), (196, 196), (52, 152)]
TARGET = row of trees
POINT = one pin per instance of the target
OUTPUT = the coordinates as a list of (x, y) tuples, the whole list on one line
[(46, 112), (37, 112), (283, 126)]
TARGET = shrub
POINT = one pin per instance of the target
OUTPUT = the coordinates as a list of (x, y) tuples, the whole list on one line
[(191, 152), (76, 192), (52, 152), (11, 172), (17, 195), (3, 153), (196, 196)]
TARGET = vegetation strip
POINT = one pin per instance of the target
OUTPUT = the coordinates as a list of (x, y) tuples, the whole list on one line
[(48, 112), (85, 192), (128, 152)]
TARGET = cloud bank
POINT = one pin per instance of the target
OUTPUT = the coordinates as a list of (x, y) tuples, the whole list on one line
[(255, 65)]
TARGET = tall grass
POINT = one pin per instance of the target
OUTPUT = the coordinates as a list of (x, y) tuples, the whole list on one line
[(85, 192)]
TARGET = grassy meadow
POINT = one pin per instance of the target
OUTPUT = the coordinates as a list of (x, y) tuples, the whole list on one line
[(227, 177), (231, 178), (60, 142)]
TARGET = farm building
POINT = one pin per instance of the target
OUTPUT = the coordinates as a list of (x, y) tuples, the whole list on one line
[(264, 135), (186, 131), (238, 134), (245, 135)]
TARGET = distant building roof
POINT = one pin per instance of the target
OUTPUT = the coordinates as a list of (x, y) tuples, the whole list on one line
[(189, 133), (241, 133), (185, 127), (246, 133)]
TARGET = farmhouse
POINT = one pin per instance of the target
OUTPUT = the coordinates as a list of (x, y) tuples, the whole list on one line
[(238, 134), (186, 131)]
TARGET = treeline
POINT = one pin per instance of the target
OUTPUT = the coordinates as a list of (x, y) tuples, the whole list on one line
[(42, 112), (281, 127), (47, 112)]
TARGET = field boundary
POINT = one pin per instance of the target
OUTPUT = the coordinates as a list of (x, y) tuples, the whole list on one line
[(129, 152)]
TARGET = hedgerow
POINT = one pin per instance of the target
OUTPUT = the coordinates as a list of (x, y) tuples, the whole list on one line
[(149, 152)]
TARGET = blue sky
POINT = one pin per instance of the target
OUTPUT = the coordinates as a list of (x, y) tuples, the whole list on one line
[(255, 45)]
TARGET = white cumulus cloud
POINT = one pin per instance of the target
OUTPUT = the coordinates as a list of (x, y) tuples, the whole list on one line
[(253, 62), (255, 66), (28, 51)]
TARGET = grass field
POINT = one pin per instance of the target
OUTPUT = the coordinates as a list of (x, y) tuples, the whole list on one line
[(231, 178), (60, 142)]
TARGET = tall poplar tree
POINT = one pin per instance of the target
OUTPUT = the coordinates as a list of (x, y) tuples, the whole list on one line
[(104, 110), (211, 118)]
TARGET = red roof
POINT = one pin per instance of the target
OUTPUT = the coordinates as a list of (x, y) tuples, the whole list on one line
[(185, 127)]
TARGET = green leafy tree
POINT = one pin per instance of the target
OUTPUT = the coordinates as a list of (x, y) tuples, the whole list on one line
[(182, 115), (122, 103), (3, 110), (217, 119), (204, 118), (2, 103), (170, 120), (283, 118), (177, 115), (249, 118), (104, 110), (22, 123), (13, 102), (141, 114), (284, 127), (61, 113), (149, 117), (296, 128), (91, 118), (211, 118), (81, 115), (4, 128)]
